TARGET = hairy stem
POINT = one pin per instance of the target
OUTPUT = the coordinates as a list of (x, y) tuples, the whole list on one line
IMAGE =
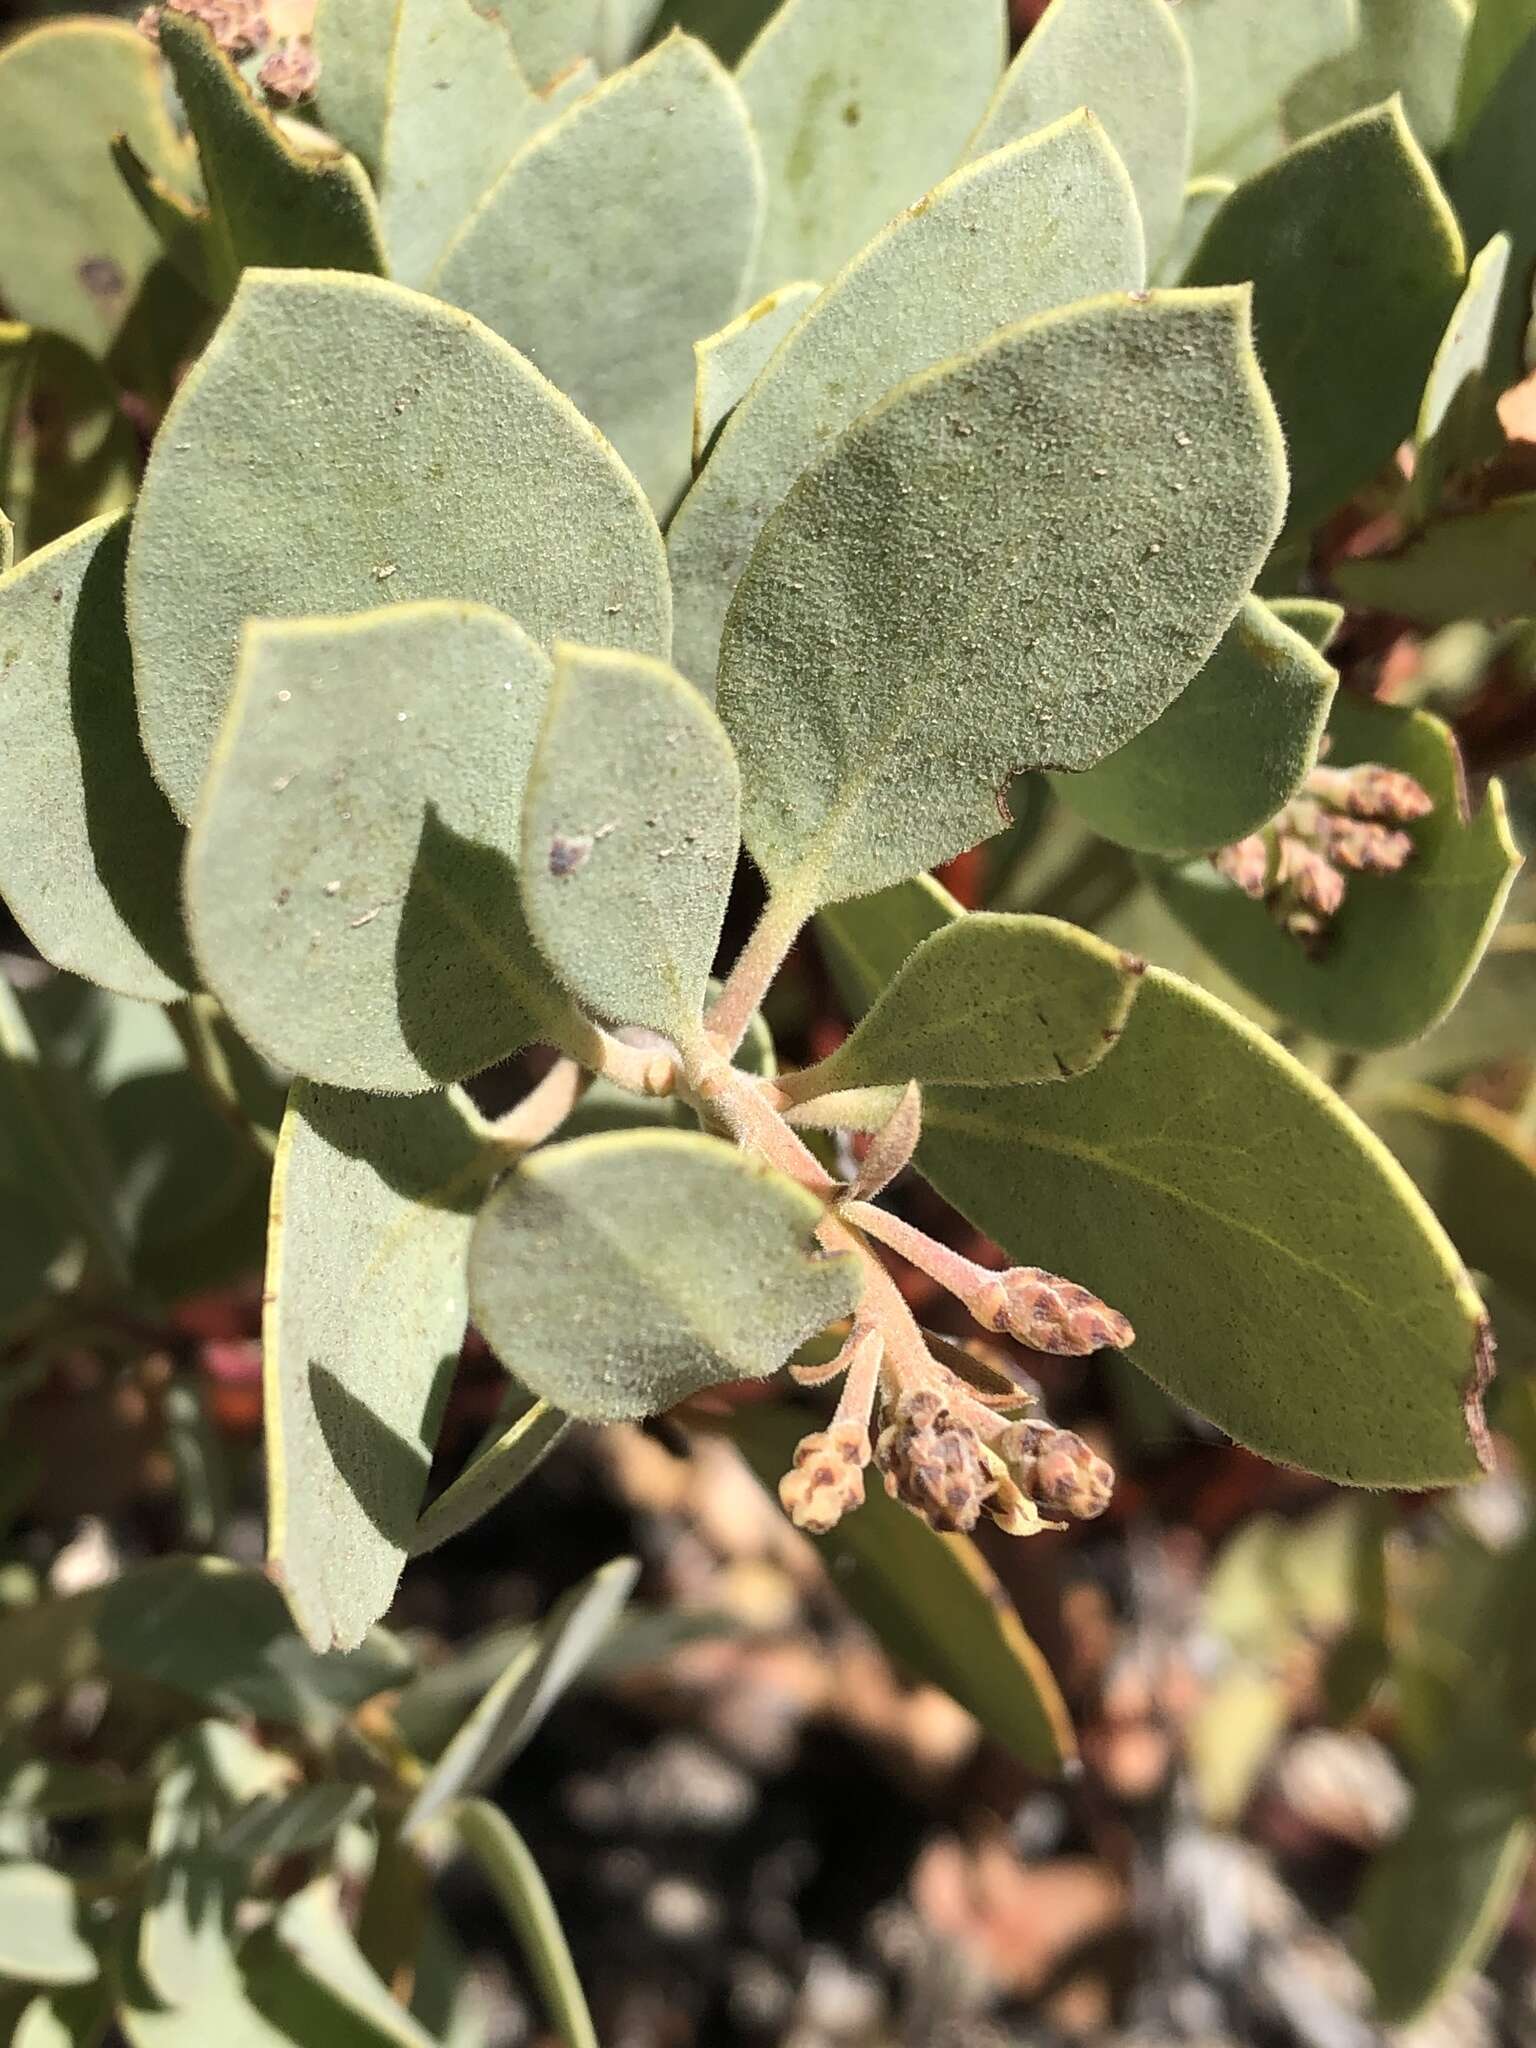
[(733, 1102), (752, 976)]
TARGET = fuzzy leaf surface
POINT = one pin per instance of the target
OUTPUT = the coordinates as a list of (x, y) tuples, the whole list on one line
[(493, 1474), (74, 250), (894, 656), (351, 871), (1284, 1276), (852, 130), (1404, 945), (1126, 61), (90, 851), (372, 1207), (726, 363), (1202, 198), (1247, 56), (933, 1602), (938, 281), (551, 35), (1228, 752), (268, 200), (430, 95), (511, 1711), (686, 1263), (989, 1002), (345, 444), (1348, 314), (618, 236), (631, 826)]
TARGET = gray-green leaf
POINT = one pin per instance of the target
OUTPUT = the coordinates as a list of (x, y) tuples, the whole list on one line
[(1126, 61), (1247, 56), (726, 363), (372, 1207), (1409, 46), (1228, 752), (631, 825), (431, 97), (89, 849), (691, 1265), (74, 251), (1078, 509), (990, 1001), (351, 871), (1347, 315), (497, 1470), (618, 236), (1028, 228), (345, 444), (852, 129)]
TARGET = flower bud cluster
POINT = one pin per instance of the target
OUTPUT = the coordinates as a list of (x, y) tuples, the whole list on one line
[(240, 28), (1344, 821)]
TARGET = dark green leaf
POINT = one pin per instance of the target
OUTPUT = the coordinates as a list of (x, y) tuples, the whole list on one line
[(1228, 752), (1347, 314), (1403, 946)]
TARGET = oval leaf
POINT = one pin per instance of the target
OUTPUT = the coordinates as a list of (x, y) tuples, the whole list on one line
[(372, 1207), (485, 1483), (96, 889), (73, 248), (1492, 178), (933, 1602), (1285, 1278), (1348, 315), (1229, 751), (1126, 61), (852, 130), (617, 237), (988, 1002), (691, 1265), (631, 826), (895, 654), (1409, 46), (430, 95), (939, 280), (466, 475), (1403, 946), (351, 872)]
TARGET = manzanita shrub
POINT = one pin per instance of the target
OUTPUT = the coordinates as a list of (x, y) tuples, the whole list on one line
[(476, 466)]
